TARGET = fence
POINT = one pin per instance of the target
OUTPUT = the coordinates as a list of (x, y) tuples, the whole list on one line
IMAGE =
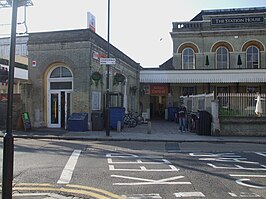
[(239, 104), (198, 102)]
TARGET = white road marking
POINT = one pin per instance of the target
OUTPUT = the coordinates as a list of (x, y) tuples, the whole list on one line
[(162, 161), (69, 168), (238, 160), (262, 154), (143, 196), (128, 156), (232, 194), (143, 181), (251, 176), (244, 195), (142, 168), (244, 181), (228, 155), (189, 194), (239, 167)]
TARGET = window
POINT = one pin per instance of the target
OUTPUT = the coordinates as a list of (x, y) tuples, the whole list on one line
[(252, 56), (222, 58), (188, 58), (60, 72), (61, 79)]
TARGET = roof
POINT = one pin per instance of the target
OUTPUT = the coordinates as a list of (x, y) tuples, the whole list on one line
[(168, 65)]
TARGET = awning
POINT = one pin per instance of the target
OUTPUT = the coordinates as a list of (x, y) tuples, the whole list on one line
[(203, 76)]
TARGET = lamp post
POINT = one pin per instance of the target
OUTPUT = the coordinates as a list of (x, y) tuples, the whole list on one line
[(8, 141), (108, 76)]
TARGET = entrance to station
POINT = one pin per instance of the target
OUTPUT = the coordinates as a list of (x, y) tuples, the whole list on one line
[(157, 107), (59, 103), (59, 96)]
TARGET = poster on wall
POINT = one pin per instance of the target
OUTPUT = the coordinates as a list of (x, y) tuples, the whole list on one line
[(96, 100)]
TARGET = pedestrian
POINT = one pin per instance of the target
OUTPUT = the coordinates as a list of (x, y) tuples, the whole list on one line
[(182, 118)]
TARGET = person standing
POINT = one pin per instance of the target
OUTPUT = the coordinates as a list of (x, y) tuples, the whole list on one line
[(182, 118)]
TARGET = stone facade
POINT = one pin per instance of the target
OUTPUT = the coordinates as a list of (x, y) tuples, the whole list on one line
[(79, 51), (206, 54)]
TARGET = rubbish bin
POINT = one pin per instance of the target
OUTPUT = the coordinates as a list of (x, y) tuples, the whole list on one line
[(97, 120), (78, 122), (116, 114), (203, 123), (171, 113)]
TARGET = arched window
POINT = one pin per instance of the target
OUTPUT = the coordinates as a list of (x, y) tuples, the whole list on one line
[(60, 78), (188, 61), (60, 72), (222, 58), (252, 57)]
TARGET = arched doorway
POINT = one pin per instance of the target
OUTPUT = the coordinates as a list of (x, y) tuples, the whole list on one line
[(59, 96)]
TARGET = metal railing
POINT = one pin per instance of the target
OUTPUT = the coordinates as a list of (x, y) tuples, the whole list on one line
[(240, 104)]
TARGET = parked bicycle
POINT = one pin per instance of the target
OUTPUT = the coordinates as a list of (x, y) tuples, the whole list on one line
[(133, 119)]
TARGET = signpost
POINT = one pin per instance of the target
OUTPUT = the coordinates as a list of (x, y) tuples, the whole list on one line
[(108, 61)]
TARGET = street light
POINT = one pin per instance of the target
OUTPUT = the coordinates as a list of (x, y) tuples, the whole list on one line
[(108, 77), (8, 143)]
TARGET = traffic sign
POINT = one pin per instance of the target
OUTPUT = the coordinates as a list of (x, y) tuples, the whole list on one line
[(109, 61)]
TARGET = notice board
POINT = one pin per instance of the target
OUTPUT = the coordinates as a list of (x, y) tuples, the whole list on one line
[(26, 121)]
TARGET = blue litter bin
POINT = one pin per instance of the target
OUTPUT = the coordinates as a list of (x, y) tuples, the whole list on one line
[(171, 113), (116, 114), (78, 122)]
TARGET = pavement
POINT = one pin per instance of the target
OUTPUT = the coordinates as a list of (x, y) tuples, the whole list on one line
[(156, 131)]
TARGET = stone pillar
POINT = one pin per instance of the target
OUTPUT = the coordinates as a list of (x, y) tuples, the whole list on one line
[(215, 128)]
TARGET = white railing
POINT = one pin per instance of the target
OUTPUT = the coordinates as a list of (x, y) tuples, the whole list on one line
[(239, 104), (198, 102)]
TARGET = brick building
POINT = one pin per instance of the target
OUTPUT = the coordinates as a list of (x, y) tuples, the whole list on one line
[(65, 76)]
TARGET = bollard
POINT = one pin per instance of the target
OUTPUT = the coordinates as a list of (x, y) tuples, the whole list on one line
[(149, 127), (118, 126)]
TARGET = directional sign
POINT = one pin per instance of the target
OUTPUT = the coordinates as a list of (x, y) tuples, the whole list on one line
[(109, 61)]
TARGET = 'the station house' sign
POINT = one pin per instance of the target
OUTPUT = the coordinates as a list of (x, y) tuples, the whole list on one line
[(237, 20)]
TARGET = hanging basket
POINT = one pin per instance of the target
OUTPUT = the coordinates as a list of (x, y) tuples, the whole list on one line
[(119, 78), (96, 77)]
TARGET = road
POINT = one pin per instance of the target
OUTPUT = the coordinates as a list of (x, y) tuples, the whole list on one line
[(140, 170)]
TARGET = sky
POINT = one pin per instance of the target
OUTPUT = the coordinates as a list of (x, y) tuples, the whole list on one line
[(139, 28)]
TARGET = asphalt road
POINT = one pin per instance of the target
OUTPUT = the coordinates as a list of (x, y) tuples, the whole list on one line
[(140, 170)]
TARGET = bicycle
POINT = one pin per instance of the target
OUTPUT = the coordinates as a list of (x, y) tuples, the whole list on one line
[(130, 120)]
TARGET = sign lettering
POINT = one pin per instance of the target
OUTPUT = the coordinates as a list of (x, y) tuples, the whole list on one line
[(237, 20)]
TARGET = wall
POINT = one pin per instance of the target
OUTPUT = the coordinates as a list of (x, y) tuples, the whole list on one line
[(237, 126)]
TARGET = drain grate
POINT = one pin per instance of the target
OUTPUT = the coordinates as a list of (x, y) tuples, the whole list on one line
[(172, 146)]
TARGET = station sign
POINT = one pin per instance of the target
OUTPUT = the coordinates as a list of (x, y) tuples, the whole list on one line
[(108, 61)]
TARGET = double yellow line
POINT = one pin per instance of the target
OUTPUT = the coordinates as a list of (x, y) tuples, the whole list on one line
[(69, 188)]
